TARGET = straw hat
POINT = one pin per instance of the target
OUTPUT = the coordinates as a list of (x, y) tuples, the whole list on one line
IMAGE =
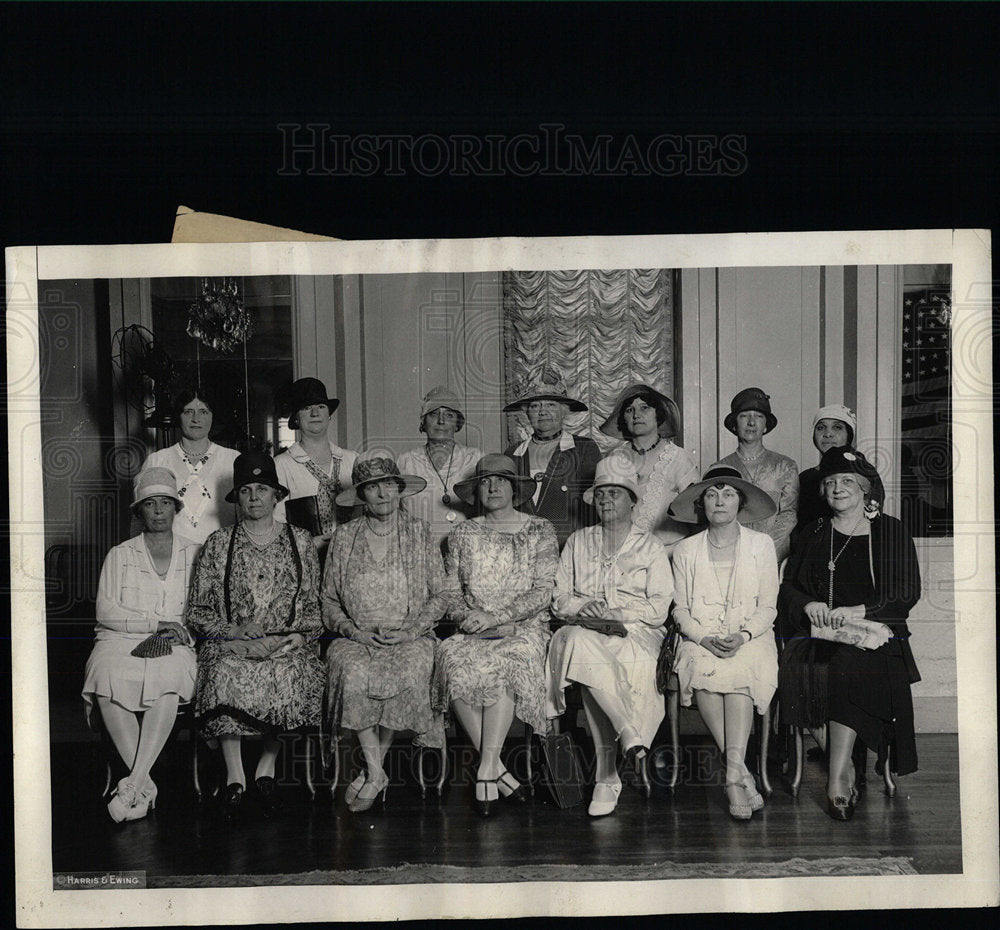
[(377, 468), (547, 385)]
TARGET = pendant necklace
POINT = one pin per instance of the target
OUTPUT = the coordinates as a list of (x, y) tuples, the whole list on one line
[(831, 566), (451, 516)]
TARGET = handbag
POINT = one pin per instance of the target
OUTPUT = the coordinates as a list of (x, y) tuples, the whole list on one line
[(304, 512), (153, 647), (561, 771), (607, 627), (865, 634)]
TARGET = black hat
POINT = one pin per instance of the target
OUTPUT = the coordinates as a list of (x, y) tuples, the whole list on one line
[(501, 466), (255, 468), (844, 460), (304, 393), (751, 399), (759, 506)]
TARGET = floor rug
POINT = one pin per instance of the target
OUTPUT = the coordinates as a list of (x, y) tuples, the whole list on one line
[(409, 874)]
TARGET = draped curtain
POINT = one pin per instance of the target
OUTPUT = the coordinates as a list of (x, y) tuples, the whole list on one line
[(600, 330)]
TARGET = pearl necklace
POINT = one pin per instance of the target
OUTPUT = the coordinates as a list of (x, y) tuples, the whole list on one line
[(375, 532)]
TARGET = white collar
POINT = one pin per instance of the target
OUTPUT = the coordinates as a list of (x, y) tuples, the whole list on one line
[(300, 455), (565, 443)]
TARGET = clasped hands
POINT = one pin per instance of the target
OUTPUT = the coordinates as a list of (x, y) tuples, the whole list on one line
[(596, 615), (252, 642), (383, 635), (821, 615), (482, 623), (173, 632), (725, 647)]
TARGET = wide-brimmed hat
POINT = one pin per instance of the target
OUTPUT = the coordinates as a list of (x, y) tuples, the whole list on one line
[(502, 466), (442, 396), (155, 482), (751, 399), (616, 470), (842, 460), (759, 506), (255, 468), (669, 428), (838, 412), (377, 468), (546, 385), (304, 393)]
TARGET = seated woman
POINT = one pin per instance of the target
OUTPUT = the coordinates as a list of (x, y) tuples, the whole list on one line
[(255, 605), (501, 566), (853, 566), (441, 461), (142, 592), (648, 421), (725, 588), (613, 589), (384, 589)]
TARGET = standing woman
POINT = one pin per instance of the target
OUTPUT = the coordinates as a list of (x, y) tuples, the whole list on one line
[(834, 427), (750, 419), (142, 593), (725, 589), (854, 566), (384, 590), (441, 463), (204, 470), (613, 589), (648, 421), (314, 467), (255, 605), (501, 566)]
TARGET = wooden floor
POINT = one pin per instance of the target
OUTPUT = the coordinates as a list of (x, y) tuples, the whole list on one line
[(690, 825)]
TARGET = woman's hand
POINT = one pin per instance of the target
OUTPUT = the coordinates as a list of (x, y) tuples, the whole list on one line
[(596, 609), (477, 621), (393, 637), (173, 632), (840, 615), (818, 613), (287, 643), (321, 542), (721, 646), (250, 630)]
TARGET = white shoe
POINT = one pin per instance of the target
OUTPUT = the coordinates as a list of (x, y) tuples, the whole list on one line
[(605, 799)]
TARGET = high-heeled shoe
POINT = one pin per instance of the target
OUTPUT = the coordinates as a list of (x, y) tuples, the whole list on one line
[(633, 748), (839, 807), (754, 797), (267, 788), (145, 801), (605, 799), (519, 793), (351, 792), (371, 791), (123, 799), (231, 800), (485, 806), (738, 810)]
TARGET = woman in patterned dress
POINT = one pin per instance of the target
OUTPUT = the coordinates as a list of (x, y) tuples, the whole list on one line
[(143, 590), (384, 589), (255, 605), (315, 466), (648, 420), (501, 566), (204, 470), (613, 589)]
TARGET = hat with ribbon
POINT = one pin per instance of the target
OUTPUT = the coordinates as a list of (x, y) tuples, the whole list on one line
[(750, 399), (255, 468), (304, 393), (546, 385), (155, 482), (377, 468), (759, 506), (501, 466)]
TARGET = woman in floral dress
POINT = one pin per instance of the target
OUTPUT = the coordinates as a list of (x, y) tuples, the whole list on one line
[(384, 589), (502, 566), (255, 605)]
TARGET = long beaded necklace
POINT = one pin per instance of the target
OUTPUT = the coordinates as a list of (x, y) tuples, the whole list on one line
[(831, 566)]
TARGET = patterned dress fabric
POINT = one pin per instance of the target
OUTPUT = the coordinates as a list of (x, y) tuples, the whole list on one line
[(673, 469), (407, 591), (509, 575), (700, 590), (132, 600), (637, 581), (778, 475), (303, 478), (202, 483), (428, 504), (238, 695)]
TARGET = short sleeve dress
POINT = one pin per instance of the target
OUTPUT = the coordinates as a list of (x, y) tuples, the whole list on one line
[(276, 585), (511, 576)]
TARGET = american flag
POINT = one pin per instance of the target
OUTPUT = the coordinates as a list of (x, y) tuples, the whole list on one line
[(926, 365)]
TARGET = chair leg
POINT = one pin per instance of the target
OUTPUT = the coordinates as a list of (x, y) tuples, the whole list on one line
[(797, 778), (194, 765), (528, 732), (647, 785), (890, 783), (674, 713), (335, 752), (420, 773), (310, 756), (765, 739)]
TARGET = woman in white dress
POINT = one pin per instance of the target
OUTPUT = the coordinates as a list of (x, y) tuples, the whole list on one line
[(204, 470), (441, 462), (613, 590), (648, 420), (142, 593), (725, 590)]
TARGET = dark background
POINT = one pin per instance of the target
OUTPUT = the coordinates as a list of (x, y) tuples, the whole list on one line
[(856, 116)]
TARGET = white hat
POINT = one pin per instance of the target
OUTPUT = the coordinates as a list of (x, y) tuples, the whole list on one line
[(616, 470), (156, 482)]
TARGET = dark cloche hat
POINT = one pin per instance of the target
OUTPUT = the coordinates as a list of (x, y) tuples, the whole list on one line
[(304, 393), (255, 468), (751, 399)]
